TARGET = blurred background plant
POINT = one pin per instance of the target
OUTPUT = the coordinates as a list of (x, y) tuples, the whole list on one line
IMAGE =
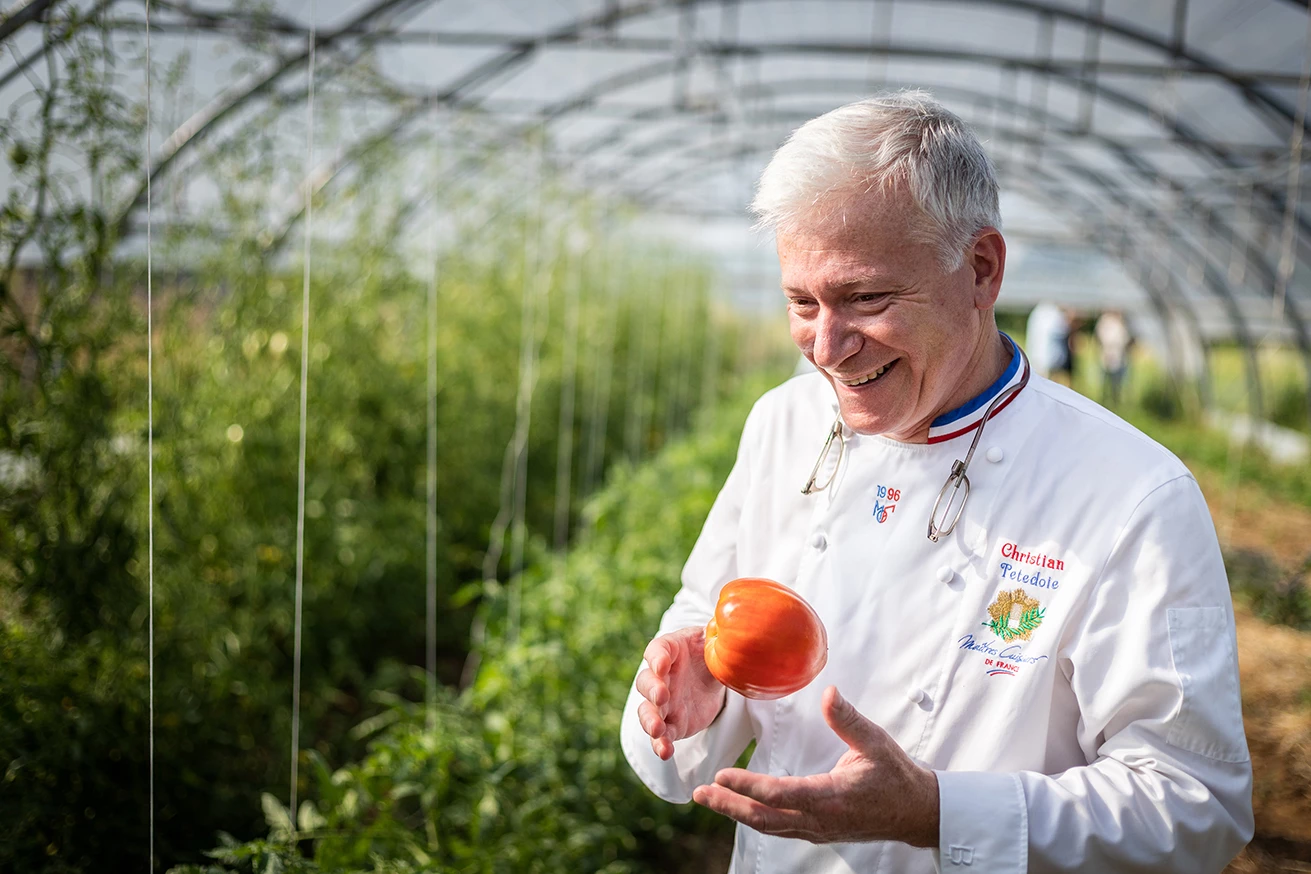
[(73, 575)]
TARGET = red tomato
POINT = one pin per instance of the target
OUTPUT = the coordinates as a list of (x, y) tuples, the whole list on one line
[(765, 641)]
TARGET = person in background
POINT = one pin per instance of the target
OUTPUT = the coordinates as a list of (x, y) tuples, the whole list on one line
[(1046, 339), (1114, 339), (1064, 371)]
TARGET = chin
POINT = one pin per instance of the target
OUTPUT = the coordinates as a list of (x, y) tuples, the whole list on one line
[(867, 422)]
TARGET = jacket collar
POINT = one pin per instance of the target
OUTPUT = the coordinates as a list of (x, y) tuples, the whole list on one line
[(969, 415)]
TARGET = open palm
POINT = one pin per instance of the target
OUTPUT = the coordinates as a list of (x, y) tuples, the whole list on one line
[(682, 696)]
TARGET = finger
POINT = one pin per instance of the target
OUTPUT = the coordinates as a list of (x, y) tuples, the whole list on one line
[(650, 687), (859, 733), (663, 746), (753, 814), (660, 655), (652, 724), (794, 793)]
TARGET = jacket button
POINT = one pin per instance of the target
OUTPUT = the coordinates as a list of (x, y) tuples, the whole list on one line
[(915, 696), (818, 540), (995, 454), (945, 574)]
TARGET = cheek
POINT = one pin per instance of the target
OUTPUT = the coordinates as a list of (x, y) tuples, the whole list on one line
[(803, 333)]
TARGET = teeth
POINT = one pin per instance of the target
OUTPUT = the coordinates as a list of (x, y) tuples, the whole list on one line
[(864, 379)]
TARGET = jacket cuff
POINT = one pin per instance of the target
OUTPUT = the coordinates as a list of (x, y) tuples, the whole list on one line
[(660, 776), (983, 823)]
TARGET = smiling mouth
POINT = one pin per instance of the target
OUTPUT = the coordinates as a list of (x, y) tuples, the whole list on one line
[(869, 377)]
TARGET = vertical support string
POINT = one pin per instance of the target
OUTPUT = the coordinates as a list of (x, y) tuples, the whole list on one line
[(1287, 260), (1283, 276), (304, 410), (602, 362), (565, 438), (536, 283), (537, 286), (638, 340), (687, 347), (679, 297), (430, 629), (510, 462), (1237, 273), (150, 454), (710, 361)]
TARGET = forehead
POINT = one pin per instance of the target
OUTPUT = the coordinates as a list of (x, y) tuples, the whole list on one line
[(869, 238)]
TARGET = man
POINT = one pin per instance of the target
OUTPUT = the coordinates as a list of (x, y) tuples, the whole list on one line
[(1114, 339), (1050, 683), (1047, 340)]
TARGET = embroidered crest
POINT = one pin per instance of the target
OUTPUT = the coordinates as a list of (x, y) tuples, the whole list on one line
[(1014, 614)]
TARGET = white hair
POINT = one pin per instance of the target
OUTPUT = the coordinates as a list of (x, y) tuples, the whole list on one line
[(905, 138)]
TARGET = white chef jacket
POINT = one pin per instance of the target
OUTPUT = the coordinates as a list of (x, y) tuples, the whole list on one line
[(1108, 736)]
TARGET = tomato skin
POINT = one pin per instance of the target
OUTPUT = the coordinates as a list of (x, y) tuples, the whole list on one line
[(764, 641)]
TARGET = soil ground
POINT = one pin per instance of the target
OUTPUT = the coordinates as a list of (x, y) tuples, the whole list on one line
[(1274, 664)]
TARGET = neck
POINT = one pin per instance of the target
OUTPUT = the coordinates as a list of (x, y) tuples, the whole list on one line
[(988, 361)]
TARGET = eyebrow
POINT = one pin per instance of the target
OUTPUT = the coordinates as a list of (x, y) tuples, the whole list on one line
[(873, 279)]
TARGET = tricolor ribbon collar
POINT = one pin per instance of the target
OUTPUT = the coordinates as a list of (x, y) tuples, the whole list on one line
[(969, 415)]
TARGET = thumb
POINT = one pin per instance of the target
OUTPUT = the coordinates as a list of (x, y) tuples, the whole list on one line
[(859, 733)]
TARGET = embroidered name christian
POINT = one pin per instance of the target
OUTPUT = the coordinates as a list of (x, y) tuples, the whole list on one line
[(1042, 560)]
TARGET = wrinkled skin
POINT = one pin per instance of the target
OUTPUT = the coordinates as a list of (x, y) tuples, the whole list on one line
[(682, 696), (866, 294), (874, 792)]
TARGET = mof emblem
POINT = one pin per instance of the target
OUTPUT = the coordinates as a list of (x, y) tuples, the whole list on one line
[(1006, 624)]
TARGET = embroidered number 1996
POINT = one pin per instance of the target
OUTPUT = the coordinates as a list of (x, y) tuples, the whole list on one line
[(883, 510)]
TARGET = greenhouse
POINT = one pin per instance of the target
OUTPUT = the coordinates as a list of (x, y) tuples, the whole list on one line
[(368, 371)]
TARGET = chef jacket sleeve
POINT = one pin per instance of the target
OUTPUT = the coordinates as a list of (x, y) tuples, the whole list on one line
[(1153, 667), (712, 563)]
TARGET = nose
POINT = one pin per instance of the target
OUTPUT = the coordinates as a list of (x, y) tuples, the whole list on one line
[(835, 339)]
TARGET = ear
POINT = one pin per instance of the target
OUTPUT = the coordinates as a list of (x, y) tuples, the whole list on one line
[(987, 259)]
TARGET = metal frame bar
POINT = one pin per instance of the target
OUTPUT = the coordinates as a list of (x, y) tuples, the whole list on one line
[(1145, 215), (21, 13)]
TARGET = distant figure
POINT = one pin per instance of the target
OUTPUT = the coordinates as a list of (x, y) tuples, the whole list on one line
[(1064, 370), (1047, 340), (1114, 338)]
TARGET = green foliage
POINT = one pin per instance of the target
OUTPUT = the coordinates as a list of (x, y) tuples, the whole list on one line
[(1288, 406), (1029, 620), (1274, 594), (1159, 398), (524, 772), (73, 570)]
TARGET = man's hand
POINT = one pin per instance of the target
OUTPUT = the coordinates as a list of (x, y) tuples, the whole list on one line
[(682, 696), (874, 793)]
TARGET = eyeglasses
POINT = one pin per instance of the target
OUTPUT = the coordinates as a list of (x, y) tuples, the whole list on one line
[(957, 482), (835, 431), (943, 519)]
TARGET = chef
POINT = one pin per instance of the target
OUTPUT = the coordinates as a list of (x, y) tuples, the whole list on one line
[(1031, 657)]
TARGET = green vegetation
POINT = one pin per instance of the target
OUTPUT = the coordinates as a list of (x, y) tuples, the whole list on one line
[(650, 352), (73, 577), (523, 772), (1272, 592)]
